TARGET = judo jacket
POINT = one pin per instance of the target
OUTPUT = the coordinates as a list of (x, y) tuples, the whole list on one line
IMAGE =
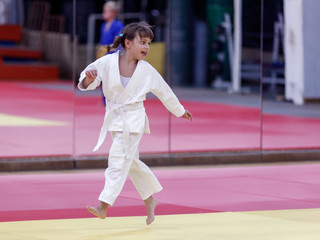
[(124, 106)]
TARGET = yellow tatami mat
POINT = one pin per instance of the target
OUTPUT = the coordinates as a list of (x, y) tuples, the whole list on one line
[(281, 224), (8, 120)]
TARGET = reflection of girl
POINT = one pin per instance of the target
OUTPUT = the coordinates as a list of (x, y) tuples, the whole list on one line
[(110, 28), (126, 79)]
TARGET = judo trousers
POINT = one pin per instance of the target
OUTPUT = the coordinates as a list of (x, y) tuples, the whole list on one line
[(119, 167)]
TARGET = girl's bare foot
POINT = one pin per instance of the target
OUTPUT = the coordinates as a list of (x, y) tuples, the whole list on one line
[(100, 211), (151, 204)]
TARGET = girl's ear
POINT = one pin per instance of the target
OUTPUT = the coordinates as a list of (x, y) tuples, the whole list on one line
[(127, 43)]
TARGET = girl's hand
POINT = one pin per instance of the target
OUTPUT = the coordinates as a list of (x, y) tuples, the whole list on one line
[(90, 77), (187, 115)]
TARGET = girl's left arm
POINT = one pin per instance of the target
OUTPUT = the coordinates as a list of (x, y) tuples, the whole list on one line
[(165, 94), (187, 115)]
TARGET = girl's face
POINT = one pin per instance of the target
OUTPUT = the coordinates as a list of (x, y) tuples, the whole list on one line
[(138, 47)]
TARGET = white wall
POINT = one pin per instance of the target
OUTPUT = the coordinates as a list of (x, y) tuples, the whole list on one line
[(294, 69), (311, 39), (302, 43)]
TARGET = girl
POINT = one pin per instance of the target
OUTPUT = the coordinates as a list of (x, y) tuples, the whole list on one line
[(126, 79)]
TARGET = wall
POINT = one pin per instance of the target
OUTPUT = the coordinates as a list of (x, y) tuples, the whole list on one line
[(302, 35)]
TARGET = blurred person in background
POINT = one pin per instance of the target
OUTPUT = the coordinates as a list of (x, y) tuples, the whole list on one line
[(109, 29), (111, 26)]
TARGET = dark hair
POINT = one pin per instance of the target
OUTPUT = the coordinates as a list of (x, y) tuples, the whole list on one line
[(130, 31)]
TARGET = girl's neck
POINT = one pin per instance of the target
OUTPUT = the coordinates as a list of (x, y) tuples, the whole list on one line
[(127, 65), (128, 58)]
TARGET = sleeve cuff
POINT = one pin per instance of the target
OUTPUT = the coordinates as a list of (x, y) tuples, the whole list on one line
[(91, 86), (179, 111)]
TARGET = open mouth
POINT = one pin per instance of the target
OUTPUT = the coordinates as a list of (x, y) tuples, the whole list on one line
[(144, 53)]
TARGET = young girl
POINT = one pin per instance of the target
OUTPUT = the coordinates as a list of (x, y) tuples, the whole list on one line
[(126, 79)]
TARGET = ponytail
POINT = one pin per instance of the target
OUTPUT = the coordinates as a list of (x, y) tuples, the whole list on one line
[(118, 40)]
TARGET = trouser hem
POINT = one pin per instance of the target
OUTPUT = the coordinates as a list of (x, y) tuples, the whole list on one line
[(106, 201), (156, 191)]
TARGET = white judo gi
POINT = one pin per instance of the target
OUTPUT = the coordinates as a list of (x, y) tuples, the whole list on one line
[(126, 120)]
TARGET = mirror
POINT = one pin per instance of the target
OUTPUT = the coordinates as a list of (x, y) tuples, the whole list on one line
[(45, 115), (36, 108), (291, 90), (221, 83), (89, 105), (226, 112)]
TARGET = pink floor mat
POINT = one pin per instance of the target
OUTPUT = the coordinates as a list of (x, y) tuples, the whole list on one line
[(188, 190)]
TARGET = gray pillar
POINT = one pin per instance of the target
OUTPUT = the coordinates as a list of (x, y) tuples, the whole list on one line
[(181, 37)]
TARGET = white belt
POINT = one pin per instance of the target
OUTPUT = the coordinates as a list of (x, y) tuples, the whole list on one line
[(113, 110)]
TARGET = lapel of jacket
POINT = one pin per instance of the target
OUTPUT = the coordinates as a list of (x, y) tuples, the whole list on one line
[(128, 91)]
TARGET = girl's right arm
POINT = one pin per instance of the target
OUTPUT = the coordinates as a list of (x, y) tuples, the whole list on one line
[(90, 77)]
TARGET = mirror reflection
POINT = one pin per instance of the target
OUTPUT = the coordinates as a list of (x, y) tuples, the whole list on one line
[(211, 60), (198, 59), (291, 90), (221, 81), (36, 109), (104, 21)]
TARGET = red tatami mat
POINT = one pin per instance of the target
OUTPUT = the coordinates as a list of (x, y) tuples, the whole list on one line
[(186, 190), (216, 127)]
